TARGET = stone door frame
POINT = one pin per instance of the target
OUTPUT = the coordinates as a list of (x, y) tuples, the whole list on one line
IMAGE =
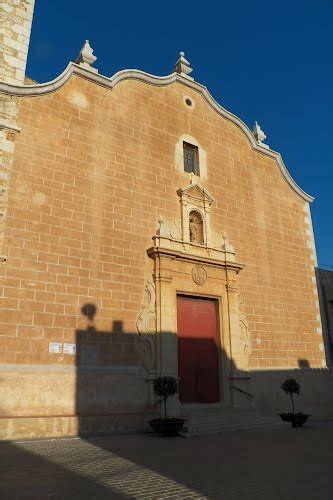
[(197, 274)]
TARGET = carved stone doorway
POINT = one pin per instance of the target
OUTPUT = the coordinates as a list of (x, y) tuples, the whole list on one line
[(201, 264)]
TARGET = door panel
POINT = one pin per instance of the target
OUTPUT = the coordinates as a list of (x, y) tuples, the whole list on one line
[(208, 374), (188, 389), (197, 350)]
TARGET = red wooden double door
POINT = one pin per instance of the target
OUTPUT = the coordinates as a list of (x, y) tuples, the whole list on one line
[(197, 350)]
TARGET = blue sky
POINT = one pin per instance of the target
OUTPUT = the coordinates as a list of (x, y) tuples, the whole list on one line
[(265, 61)]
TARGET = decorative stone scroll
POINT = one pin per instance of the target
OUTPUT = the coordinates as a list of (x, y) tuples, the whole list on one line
[(146, 327), (245, 339)]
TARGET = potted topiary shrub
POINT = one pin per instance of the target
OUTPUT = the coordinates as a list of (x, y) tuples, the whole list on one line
[(164, 387), (291, 387)]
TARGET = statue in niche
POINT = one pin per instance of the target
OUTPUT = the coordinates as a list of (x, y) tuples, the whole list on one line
[(196, 228)]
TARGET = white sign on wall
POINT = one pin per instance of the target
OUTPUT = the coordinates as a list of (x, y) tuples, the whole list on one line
[(70, 349), (55, 347)]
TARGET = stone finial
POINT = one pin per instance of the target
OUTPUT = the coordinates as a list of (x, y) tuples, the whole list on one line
[(259, 135), (86, 57), (226, 245), (183, 67), (192, 178), (161, 224)]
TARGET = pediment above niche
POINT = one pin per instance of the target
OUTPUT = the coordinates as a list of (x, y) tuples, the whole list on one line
[(195, 192)]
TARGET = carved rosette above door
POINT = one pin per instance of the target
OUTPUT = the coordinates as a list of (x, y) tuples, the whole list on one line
[(195, 260)]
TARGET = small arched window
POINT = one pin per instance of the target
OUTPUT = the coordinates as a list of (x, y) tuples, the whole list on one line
[(196, 228)]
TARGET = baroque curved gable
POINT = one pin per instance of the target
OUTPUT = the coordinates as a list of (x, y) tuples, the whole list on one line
[(160, 81)]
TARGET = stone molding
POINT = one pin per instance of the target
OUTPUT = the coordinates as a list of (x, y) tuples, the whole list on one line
[(153, 252), (132, 74), (120, 369)]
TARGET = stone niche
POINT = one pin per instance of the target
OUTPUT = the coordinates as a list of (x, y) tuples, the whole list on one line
[(191, 259)]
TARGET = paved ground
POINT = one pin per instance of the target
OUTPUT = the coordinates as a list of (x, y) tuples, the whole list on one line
[(276, 463)]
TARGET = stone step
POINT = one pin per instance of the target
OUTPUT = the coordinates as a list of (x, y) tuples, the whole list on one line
[(221, 417), (231, 421), (237, 425), (220, 429), (209, 425), (224, 419)]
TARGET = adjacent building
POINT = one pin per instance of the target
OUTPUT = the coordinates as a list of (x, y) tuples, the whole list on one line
[(325, 291)]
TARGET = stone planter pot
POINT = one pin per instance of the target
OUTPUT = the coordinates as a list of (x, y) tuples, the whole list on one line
[(296, 419), (167, 426)]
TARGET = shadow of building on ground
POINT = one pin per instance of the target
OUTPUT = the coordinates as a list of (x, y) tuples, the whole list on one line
[(258, 464), (113, 396), (37, 475)]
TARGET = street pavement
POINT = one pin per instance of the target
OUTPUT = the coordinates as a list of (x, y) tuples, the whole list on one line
[(269, 463)]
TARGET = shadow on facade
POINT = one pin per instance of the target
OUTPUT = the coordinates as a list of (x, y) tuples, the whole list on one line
[(114, 397), (114, 390)]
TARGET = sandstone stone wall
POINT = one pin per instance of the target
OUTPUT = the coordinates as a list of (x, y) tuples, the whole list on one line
[(93, 171), (15, 26)]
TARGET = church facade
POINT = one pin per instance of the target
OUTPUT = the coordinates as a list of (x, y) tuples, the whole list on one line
[(145, 230)]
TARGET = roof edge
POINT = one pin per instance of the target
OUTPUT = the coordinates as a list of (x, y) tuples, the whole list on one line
[(110, 82)]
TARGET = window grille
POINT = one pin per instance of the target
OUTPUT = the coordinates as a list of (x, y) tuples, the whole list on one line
[(191, 158)]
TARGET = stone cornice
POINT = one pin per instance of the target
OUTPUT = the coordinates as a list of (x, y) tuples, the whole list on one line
[(75, 69), (195, 259)]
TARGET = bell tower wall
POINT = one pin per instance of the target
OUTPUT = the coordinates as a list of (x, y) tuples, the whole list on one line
[(16, 20), (15, 28)]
